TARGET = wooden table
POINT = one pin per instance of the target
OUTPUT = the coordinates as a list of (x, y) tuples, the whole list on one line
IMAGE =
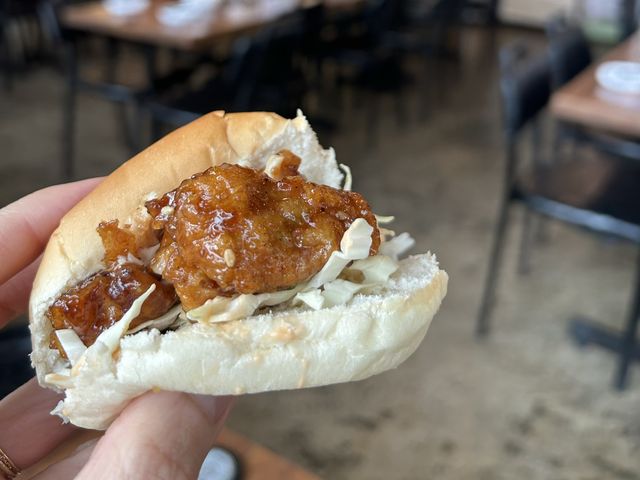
[(257, 462), (582, 101), (144, 28)]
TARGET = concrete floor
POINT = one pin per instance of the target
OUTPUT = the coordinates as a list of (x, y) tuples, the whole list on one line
[(525, 403)]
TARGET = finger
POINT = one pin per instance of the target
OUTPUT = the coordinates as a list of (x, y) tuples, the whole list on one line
[(27, 430), (69, 466), (14, 293), (26, 224), (163, 435)]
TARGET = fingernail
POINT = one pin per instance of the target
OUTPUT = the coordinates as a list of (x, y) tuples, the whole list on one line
[(216, 408)]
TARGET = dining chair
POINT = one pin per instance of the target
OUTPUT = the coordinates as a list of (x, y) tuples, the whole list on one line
[(259, 75), (628, 18), (601, 195), (426, 27), (365, 63), (569, 55), (20, 39), (66, 44)]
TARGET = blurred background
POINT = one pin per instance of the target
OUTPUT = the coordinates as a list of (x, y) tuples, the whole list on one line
[(503, 134)]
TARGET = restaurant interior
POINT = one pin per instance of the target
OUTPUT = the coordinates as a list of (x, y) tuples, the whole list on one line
[(504, 135)]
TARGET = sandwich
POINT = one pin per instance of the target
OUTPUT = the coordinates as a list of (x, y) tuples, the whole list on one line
[(229, 257)]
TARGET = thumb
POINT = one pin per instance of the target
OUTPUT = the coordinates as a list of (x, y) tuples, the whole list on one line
[(163, 435)]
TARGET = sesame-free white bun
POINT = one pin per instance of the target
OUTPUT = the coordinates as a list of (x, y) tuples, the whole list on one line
[(284, 349)]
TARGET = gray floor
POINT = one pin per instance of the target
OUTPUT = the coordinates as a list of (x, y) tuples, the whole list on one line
[(525, 403)]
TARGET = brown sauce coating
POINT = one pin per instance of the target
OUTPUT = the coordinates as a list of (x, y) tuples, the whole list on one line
[(287, 167), (233, 230), (116, 241), (102, 299)]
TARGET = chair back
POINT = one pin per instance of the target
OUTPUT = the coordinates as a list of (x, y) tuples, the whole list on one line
[(379, 17), (568, 50), (629, 10), (49, 14), (268, 53), (524, 86)]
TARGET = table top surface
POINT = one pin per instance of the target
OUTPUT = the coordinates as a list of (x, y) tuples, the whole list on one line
[(258, 462), (585, 102), (145, 28)]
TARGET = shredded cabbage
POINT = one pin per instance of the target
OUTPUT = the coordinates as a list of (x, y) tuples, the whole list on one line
[(340, 292), (225, 309), (348, 178), (355, 245), (71, 344), (313, 298), (162, 322), (376, 269), (382, 219), (112, 335), (397, 246)]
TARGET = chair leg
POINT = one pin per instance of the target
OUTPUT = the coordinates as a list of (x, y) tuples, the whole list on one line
[(6, 62), (629, 340), (69, 113), (482, 322), (524, 264), (401, 110), (373, 108), (156, 130)]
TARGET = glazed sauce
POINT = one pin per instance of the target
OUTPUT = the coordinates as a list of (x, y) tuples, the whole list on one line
[(102, 299), (233, 230)]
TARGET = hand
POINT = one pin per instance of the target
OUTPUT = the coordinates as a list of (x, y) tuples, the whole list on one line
[(163, 435)]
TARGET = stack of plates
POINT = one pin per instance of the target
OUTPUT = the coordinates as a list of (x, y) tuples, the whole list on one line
[(186, 12), (125, 8)]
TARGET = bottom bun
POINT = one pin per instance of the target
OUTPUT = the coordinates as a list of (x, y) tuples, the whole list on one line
[(284, 349)]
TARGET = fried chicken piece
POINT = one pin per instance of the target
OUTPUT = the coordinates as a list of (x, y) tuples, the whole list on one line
[(102, 299), (116, 241), (233, 230)]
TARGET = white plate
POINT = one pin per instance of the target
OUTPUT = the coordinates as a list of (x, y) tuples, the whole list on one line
[(186, 12), (620, 77), (125, 8)]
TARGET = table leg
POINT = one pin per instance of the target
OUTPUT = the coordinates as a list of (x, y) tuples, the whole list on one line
[(587, 332), (630, 348), (150, 57), (151, 65)]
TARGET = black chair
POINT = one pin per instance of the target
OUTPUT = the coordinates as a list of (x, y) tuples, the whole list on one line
[(482, 11), (68, 43), (569, 51), (601, 195), (20, 13), (261, 74), (629, 11), (65, 44), (569, 55), (426, 27), (365, 61)]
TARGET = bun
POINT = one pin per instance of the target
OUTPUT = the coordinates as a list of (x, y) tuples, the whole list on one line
[(290, 348)]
